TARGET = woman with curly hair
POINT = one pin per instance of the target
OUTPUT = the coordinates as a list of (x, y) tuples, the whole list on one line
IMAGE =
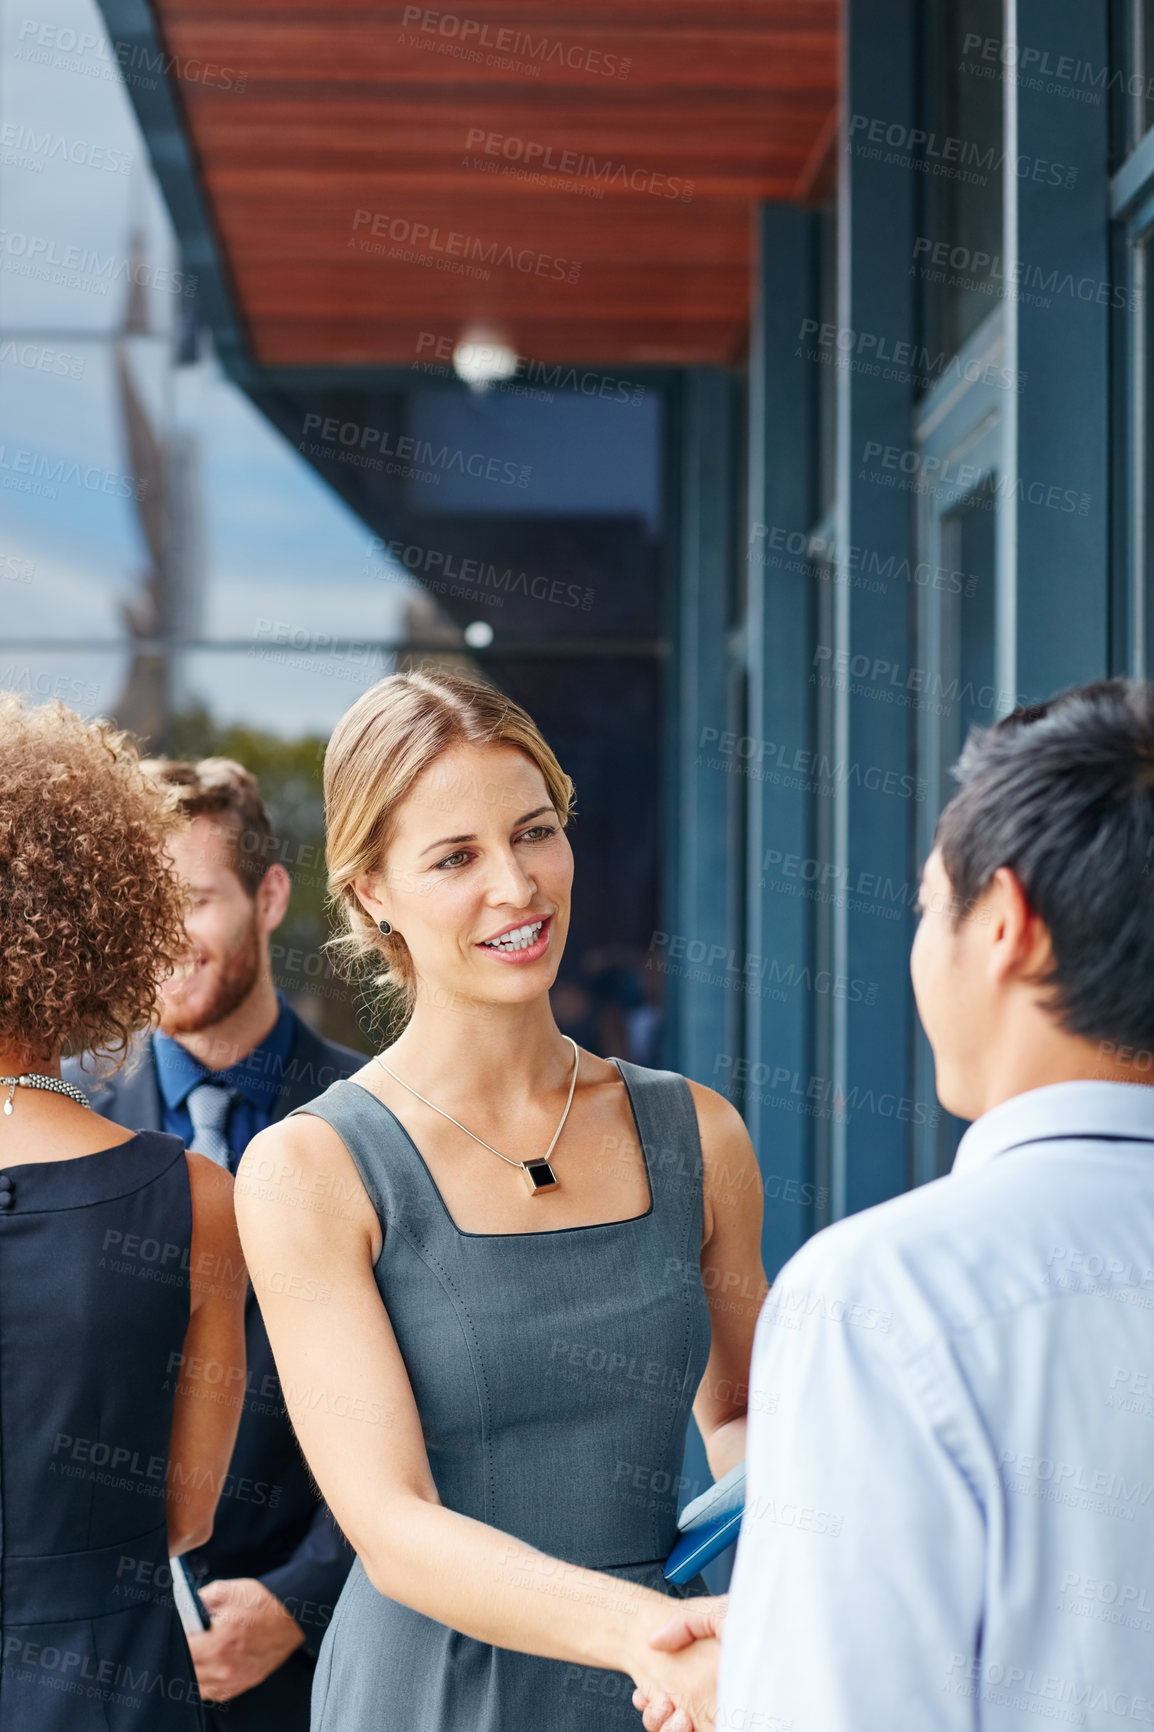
[(121, 1278)]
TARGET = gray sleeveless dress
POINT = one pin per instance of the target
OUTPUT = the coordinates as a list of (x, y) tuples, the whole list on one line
[(554, 1374)]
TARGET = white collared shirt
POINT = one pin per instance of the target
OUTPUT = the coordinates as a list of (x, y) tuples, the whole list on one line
[(950, 1497)]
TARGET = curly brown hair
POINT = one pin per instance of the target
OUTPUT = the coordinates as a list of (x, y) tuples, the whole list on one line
[(91, 915)]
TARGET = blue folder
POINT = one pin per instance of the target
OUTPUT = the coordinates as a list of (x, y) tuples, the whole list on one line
[(708, 1526)]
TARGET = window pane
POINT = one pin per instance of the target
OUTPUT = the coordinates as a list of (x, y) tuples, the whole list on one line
[(964, 179), (967, 626), (968, 614), (827, 373)]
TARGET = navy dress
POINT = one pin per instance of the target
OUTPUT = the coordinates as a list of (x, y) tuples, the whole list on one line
[(554, 1373), (94, 1305)]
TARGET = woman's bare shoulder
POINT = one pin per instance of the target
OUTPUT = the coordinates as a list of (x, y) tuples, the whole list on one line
[(303, 1136), (210, 1184), (726, 1150), (718, 1118), (301, 1164)]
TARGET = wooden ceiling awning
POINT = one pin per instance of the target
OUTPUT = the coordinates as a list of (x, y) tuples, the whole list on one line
[(575, 180)]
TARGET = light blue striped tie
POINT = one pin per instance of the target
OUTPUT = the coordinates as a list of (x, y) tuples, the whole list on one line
[(208, 1107)]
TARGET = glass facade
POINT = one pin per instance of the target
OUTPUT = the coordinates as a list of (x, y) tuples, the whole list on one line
[(221, 576), (962, 167), (937, 455), (966, 679), (1141, 79)]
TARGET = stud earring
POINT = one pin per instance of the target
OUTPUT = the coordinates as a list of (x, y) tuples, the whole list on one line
[(385, 927)]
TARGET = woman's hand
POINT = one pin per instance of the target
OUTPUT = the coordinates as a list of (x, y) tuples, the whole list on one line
[(666, 1709)]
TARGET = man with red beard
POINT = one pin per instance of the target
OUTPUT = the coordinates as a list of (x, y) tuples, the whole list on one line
[(232, 1056)]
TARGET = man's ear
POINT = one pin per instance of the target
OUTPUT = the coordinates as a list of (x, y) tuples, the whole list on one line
[(1018, 940), (272, 897)]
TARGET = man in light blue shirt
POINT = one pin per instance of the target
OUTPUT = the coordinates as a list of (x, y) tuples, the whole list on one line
[(950, 1497)]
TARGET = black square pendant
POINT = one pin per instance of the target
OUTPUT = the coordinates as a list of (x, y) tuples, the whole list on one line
[(539, 1176)]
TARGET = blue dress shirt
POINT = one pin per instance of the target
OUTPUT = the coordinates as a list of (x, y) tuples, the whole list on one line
[(950, 1498), (254, 1083)]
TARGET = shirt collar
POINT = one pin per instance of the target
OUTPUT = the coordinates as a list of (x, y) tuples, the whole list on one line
[(1090, 1110), (258, 1076)]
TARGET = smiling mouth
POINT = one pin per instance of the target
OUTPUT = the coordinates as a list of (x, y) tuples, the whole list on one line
[(520, 938)]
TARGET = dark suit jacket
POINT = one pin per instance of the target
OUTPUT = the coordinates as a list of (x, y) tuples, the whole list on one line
[(270, 1521)]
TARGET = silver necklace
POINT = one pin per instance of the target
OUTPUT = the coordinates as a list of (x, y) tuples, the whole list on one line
[(537, 1173), (54, 1084)]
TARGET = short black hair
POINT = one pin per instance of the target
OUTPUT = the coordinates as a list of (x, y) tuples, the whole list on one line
[(1062, 793)]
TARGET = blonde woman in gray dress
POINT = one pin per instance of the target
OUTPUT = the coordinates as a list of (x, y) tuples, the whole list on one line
[(498, 1272)]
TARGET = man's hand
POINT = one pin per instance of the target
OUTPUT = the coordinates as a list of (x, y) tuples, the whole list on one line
[(251, 1634), (693, 1621)]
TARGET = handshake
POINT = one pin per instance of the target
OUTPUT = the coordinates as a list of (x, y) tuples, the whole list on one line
[(678, 1692)]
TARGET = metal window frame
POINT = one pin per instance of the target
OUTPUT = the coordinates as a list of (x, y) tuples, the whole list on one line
[(1131, 208), (965, 430), (777, 647), (1058, 556), (701, 801), (870, 1043)]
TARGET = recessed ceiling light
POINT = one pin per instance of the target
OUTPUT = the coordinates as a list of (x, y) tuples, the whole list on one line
[(483, 360)]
